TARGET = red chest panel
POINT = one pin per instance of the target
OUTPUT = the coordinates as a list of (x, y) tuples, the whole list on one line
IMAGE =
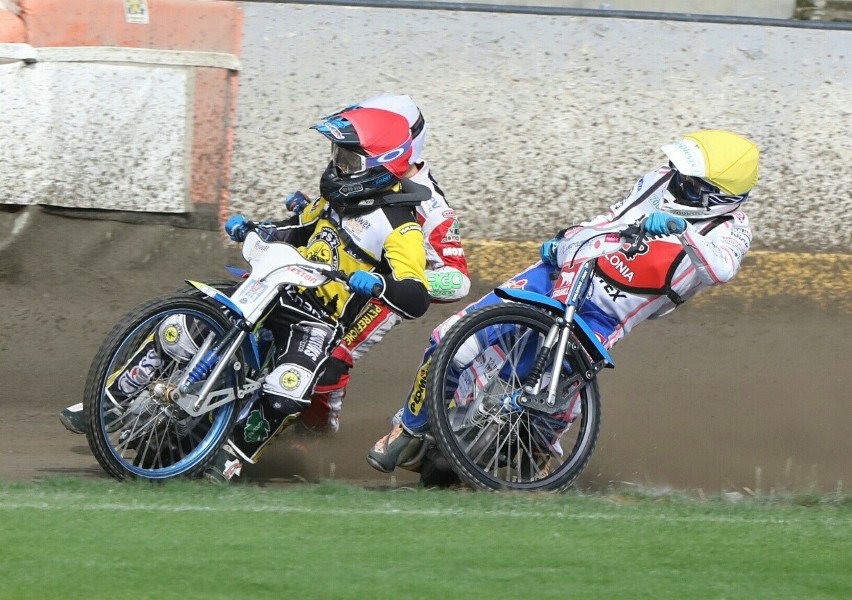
[(649, 272)]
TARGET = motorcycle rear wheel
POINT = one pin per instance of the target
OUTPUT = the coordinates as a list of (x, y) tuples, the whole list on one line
[(472, 391), (140, 436)]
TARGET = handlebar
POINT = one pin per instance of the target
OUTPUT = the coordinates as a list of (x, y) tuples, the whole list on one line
[(632, 240), (342, 277), (636, 236), (259, 228), (336, 275)]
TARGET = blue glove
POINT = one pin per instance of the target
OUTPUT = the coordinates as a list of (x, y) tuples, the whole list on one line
[(363, 282), (548, 252), (660, 223), (296, 202), (236, 228)]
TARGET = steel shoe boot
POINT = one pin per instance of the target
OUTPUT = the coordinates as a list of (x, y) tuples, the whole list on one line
[(399, 448), (72, 418), (225, 466)]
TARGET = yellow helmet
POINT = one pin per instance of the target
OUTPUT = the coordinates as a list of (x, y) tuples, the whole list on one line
[(714, 173)]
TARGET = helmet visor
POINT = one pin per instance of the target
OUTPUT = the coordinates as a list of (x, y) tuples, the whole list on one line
[(349, 162), (697, 192)]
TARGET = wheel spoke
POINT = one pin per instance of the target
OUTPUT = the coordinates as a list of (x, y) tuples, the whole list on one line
[(473, 392)]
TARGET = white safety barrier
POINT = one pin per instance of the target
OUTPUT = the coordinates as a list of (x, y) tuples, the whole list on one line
[(536, 121)]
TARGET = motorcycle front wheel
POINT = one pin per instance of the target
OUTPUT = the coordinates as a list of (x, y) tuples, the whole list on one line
[(134, 431), (473, 389)]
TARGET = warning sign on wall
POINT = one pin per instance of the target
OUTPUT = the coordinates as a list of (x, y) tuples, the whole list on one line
[(136, 11)]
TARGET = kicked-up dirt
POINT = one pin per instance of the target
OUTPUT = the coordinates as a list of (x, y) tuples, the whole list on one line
[(725, 394)]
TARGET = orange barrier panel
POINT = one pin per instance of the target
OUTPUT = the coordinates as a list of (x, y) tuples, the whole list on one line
[(176, 25), (213, 126), (12, 29), (210, 135), (171, 24)]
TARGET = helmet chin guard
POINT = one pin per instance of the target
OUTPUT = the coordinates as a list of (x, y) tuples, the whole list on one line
[(403, 192), (673, 206)]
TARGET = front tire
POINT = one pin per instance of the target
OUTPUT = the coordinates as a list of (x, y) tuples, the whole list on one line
[(472, 392), (133, 434)]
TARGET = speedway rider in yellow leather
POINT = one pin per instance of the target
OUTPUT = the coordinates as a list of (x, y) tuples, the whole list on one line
[(363, 224), (446, 272)]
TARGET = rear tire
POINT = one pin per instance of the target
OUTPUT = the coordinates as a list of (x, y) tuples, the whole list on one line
[(491, 441)]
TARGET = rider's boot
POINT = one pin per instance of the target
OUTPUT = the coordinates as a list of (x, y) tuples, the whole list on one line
[(225, 466), (137, 373), (399, 448), (575, 410), (72, 418), (335, 403), (177, 337), (323, 415), (269, 416)]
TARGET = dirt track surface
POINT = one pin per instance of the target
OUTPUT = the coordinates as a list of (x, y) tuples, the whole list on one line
[(723, 395)]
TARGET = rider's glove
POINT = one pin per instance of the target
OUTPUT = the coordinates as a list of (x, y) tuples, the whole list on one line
[(363, 282), (660, 223), (296, 202), (548, 252), (236, 228)]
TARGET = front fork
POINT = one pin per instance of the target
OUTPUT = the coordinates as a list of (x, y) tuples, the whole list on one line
[(208, 364), (561, 329)]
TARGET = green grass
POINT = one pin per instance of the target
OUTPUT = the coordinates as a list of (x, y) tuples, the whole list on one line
[(101, 539)]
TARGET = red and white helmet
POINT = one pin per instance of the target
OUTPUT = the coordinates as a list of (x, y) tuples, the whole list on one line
[(370, 151), (403, 105)]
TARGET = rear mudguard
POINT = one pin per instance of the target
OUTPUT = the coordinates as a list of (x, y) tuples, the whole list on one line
[(584, 333)]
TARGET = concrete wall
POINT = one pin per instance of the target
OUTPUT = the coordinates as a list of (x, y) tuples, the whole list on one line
[(535, 120), (538, 121), (118, 105)]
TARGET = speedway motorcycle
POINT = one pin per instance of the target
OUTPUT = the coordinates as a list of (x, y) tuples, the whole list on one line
[(154, 413), (509, 379)]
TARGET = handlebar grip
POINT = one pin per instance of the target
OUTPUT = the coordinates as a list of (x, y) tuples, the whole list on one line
[(375, 292), (672, 227), (338, 276)]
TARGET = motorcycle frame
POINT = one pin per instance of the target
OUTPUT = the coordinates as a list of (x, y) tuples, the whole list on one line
[(274, 265)]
